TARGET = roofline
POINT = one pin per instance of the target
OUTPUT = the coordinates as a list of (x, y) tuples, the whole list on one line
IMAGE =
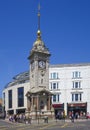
[(69, 65)]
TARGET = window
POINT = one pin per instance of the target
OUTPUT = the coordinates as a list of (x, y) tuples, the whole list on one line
[(76, 97), (20, 97), (56, 98), (80, 97), (72, 97), (10, 99), (76, 74), (54, 75), (76, 84), (54, 85)]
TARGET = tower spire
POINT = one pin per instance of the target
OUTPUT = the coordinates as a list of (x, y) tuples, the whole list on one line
[(39, 32), (39, 16)]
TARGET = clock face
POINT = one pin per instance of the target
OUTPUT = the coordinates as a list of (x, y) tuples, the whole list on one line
[(42, 64)]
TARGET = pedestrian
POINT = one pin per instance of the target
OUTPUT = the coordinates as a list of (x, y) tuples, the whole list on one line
[(72, 117), (76, 115)]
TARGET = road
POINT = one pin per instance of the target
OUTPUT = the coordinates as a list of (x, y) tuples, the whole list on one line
[(53, 125)]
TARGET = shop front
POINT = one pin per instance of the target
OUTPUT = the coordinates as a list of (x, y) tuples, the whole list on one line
[(58, 108), (80, 108)]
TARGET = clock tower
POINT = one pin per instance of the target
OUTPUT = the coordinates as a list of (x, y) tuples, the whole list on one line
[(39, 62), (39, 96)]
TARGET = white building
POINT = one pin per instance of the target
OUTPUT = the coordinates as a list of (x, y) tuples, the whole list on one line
[(70, 84)]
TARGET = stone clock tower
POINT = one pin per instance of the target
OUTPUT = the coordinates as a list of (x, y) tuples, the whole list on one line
[(39, 96), (39, 62)]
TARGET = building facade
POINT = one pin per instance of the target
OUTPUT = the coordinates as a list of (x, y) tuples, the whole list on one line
[(70, 84), (14, 99)]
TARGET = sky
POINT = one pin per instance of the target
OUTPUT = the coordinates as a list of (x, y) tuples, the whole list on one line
[(65, 27)]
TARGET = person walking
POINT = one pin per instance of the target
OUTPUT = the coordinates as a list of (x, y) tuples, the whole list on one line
[(72, 117)]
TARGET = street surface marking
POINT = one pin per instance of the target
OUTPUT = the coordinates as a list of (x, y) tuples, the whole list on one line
[(29, 126), (47, 126), (64, 125)]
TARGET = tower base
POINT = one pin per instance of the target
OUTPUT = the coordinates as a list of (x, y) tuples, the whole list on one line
[(40, 114)]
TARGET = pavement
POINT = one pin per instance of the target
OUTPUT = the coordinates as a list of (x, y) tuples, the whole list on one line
[(53, 124), (40, 121)]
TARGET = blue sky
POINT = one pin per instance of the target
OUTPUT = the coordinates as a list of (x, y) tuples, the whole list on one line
[(65, 27)]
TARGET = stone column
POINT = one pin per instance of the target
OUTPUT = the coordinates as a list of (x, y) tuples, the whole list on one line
[(37, 103), (32, 104), (28, 103), (48, 103)]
